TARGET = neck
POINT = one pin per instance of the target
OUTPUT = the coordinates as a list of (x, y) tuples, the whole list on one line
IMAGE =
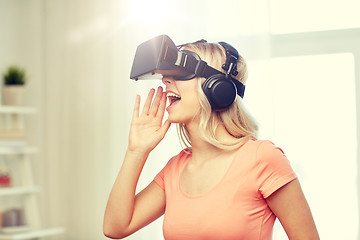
[(201, 149)]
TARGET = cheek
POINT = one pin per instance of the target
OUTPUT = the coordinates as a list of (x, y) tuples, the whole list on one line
[(189, 96), (192, 99), (186, 111), (192, 105)]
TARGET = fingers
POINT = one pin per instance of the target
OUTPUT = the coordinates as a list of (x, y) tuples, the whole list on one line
[(136, 107), (161, 110), (147, 104), (154, 108), (164, 128), (155, 105)]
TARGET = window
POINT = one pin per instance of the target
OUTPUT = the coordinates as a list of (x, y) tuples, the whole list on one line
[(315, 109), (315, 121)]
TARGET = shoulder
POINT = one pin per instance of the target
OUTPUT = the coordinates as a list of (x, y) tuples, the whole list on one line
[(273, 168), (271, 159), (264, 153), (259, 147), (262, 147), (267, 149), (172, 167), (182, 156), (177, 160)]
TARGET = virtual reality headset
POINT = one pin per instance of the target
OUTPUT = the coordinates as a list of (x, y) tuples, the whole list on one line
[(160, 57)]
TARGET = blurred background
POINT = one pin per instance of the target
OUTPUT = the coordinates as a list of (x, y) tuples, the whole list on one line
[(303, 89)]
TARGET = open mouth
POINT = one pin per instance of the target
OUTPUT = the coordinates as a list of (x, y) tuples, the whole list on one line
[(173, 97)]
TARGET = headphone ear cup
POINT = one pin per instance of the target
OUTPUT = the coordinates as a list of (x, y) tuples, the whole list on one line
[(220, 91)]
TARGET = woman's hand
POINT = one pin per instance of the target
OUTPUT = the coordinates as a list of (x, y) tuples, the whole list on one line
[(124, 212), (146, 129)]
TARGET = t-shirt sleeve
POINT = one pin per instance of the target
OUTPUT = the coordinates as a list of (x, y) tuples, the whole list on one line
[(159, 178), (172, 165), (274, 169)]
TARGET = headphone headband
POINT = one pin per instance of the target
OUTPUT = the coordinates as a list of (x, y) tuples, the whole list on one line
[(232, 58)]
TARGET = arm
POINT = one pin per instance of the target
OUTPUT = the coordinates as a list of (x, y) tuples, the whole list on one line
[(290, 206), (126, 213)]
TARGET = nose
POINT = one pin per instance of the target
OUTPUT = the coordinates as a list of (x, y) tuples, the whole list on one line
[(167, 80)]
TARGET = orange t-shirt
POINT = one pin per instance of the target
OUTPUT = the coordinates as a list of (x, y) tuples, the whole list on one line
[(235, 208)]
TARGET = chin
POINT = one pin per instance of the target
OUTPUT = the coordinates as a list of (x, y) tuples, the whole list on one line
[(182, 118), (172, 120)]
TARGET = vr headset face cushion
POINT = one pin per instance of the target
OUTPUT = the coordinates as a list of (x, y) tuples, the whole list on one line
[(220, 91)]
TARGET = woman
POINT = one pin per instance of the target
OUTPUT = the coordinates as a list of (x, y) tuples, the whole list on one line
[(225, 185)]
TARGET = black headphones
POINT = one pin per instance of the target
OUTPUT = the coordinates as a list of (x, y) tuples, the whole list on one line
[(221, 89)]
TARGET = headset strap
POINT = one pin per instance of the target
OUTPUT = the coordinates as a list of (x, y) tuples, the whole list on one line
[(199, 67)]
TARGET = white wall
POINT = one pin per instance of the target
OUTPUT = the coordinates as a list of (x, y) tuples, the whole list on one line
[(77, 95), (61, 45), (21, 43)]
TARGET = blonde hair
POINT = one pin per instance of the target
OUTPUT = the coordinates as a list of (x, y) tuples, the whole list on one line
[(236, 120)]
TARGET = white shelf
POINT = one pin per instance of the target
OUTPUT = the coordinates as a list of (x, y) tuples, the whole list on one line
[(7, 191), (13, 142), (17, 150), (17, 110), (32, 234)]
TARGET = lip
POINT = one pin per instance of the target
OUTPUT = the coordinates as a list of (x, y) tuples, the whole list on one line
[(168, 109), (172, 104), (171, 92)]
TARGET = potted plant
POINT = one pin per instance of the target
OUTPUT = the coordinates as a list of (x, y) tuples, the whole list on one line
[(13, 86)]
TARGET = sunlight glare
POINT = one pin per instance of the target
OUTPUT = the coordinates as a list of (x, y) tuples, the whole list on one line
[(149, 13)]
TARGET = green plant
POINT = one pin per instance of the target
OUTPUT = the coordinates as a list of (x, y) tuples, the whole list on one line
[(14, 76)]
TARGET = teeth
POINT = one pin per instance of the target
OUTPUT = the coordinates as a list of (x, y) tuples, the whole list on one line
[(171, 94)]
